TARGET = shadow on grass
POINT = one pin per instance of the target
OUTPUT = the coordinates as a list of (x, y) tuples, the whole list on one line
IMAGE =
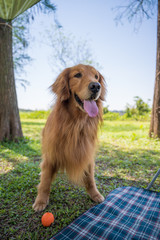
[(67, 202), (16, 152), (115, 167), (144, 157), (134, 165)]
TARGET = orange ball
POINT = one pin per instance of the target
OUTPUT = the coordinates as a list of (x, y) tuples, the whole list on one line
[(47, 219)]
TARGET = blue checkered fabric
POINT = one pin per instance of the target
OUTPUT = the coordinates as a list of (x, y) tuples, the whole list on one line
[(126, 213)]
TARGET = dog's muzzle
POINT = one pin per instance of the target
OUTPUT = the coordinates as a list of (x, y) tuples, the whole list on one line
[(94, 88)]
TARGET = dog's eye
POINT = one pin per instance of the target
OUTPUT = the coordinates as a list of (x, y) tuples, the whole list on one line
[(78, 75), (96, 77)]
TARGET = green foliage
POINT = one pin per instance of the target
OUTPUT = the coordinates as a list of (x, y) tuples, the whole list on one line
[(21, 36), (111, 116), (34, 114), (139, 109), (141, 106), (126, 157), (20, 45), (105, 110), (130, 111)]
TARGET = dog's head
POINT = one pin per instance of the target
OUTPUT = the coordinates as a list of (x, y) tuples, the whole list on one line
[(82, 83)]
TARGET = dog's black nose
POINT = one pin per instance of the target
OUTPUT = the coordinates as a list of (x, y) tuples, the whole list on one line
[(94, 87)]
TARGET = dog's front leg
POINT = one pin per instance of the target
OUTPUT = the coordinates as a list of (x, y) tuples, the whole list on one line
[(90, 185), (48, 173)]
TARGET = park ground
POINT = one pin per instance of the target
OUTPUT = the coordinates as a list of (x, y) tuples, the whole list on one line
[(126, 156)]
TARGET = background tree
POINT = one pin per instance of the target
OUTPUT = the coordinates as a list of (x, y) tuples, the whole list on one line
[(155, 117), (139, 108), (21, 41), (67, 51), (10, 126), (137, 10)]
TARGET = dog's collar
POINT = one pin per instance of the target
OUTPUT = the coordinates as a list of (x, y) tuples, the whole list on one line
[(78, 100)]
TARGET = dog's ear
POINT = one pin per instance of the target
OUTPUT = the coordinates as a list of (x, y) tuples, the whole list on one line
[(103, 87), (61, 85)]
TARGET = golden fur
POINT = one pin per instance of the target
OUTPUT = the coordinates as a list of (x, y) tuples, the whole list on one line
[(69, 137)]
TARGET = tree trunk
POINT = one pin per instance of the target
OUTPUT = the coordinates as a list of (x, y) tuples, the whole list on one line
[(155, 117), (10, 126)]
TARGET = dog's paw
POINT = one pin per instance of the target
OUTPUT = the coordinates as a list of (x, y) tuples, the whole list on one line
[(97, 198), (40, 205)]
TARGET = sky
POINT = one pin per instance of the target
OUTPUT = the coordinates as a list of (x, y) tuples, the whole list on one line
[(127, 56)]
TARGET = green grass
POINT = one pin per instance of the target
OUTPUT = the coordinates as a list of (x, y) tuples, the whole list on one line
[(126, 157)]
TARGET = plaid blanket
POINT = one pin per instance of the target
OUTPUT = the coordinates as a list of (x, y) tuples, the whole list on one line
[(126, 213)]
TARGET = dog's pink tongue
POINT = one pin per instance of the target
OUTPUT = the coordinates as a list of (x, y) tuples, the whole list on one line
[(91, 108)]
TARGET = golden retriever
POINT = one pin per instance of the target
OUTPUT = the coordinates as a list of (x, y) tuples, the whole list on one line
[(70, 134)]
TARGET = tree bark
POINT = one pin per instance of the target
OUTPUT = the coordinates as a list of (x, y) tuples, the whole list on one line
[(155, 116), (10, 126)]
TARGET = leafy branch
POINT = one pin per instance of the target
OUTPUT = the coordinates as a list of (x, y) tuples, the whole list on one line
[(135, 10)]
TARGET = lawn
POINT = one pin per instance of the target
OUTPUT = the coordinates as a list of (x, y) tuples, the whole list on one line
[(125, 157)]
